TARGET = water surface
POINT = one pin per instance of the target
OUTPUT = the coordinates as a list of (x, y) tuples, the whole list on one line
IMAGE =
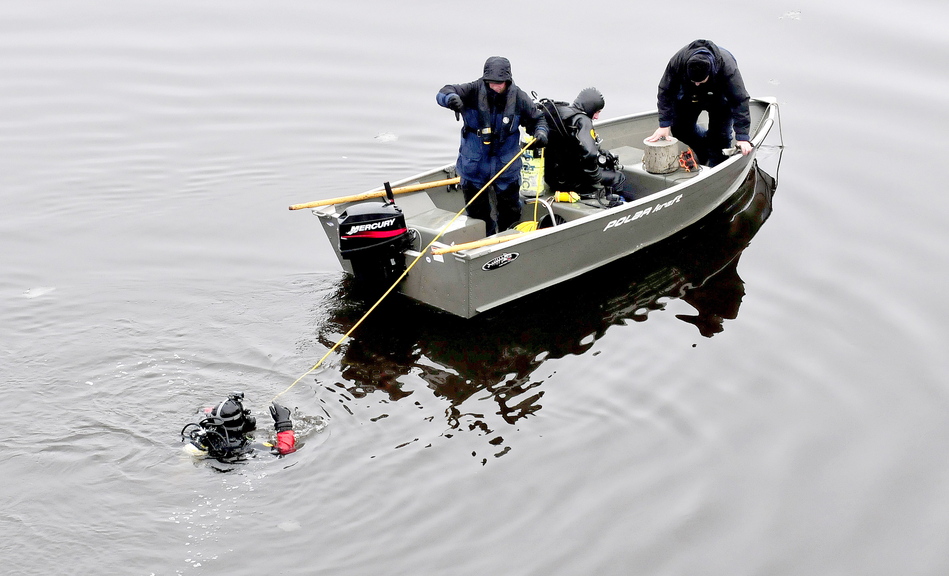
[(705, 408)]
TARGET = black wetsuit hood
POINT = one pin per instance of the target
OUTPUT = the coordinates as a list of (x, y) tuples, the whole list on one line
[(589, 101)]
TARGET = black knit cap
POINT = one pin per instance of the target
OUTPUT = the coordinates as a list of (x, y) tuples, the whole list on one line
[(698, 67)]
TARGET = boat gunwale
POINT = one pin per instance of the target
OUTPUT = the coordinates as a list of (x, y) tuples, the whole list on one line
[(762, 129)]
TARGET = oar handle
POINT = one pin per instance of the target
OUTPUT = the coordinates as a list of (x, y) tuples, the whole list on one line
[(377, 194), (475, 244)]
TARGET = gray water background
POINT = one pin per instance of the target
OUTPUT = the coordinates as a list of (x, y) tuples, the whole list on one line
[(148, 266)]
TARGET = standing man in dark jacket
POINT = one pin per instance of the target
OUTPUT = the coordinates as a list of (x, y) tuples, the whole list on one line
[(493, 108), (573, 160), (703, 76)]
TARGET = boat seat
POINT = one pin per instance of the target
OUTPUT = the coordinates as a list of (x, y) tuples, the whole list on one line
[(421, 214)]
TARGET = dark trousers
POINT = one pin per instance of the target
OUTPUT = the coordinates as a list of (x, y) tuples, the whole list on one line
[(508, 204), (706, 143), (617, 183)]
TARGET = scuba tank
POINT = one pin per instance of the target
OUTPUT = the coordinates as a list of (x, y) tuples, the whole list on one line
[(532, 172), (222, 433)]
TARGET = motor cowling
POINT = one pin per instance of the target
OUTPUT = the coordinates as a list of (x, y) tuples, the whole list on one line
[(373, 237)]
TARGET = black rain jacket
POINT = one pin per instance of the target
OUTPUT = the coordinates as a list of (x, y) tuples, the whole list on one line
[(724, 86)]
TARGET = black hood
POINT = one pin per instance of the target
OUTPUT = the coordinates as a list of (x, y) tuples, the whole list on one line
[(234, 418), (589, 101), (497, 69)]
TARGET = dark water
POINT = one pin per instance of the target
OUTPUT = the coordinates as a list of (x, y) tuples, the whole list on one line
[(757, 397)]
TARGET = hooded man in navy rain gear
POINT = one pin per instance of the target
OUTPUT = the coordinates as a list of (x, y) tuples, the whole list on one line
[(704, 76), (492, 109)]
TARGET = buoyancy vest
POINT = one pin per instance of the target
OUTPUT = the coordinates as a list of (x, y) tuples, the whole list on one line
[(566, 165), (490, 138)]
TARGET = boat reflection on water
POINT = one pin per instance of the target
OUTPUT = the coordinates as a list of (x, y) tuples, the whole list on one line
[(498, 353)]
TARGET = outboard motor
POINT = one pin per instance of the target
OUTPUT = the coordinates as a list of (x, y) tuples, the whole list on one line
[(373, 237)]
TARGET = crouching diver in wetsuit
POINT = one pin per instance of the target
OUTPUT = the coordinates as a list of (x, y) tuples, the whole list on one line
[(224, 432), (575, 160)]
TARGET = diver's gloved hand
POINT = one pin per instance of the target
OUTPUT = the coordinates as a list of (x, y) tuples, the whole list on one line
[(286, 438), (455, 103), (281, 417), (540, 140)]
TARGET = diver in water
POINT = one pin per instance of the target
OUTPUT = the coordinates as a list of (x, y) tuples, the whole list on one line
[(223, 433)]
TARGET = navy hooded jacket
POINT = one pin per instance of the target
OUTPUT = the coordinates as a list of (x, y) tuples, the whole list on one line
[(490, 136)]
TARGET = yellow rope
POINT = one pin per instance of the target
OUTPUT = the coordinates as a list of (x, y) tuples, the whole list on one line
[(403, 275)]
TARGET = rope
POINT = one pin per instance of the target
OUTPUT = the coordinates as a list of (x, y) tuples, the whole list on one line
[(404, 274)]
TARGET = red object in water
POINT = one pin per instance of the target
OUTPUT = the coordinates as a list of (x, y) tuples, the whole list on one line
[(286, 442)]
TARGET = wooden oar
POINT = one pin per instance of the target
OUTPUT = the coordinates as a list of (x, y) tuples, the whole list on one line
[(377, 194), (476, 244)]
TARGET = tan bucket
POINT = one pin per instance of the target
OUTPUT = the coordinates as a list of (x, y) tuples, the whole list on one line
[(661, 156)]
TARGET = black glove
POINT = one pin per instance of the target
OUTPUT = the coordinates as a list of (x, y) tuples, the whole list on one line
[(455, 103), (540, 140), (281, 417)]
